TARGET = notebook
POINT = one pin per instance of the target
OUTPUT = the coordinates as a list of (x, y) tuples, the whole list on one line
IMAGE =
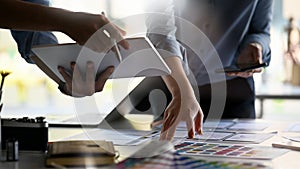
[(80, 153)]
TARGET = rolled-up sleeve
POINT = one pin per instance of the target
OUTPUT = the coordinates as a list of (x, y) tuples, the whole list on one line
[(259, 30), (27, 39), (161, 28)]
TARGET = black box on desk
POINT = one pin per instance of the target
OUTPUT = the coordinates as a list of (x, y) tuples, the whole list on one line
[(32, 134)]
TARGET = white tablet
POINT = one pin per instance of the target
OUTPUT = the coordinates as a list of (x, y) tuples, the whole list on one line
[(141, 59)]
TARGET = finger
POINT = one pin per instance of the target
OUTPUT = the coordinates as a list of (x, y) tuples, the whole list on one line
[(169, 128), (191, 133), (199, 123), (156, 123), (106, 21), (171, 124), (231, 74), (116, 33), (244, 74), (248, 74), (74, 69), (169, 121), (100, 42), (102, 78), (190, 126), (72, 66), (257, 70), (114, 47), (77, 78), (90, 78), (122, 31), (65, 75), (164, 132), (124, 44), (255, 52), (165, 125), (171, 131), (259, 56)]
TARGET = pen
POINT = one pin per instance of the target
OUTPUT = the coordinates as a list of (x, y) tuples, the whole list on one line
[(114, 42), (287, 146), (117, 51)]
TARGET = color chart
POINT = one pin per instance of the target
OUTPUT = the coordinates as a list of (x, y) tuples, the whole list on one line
[(171, 160), (195, 148)]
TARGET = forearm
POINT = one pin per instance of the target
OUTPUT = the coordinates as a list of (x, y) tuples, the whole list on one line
[(177, 83), (28, 16), (259, 29)]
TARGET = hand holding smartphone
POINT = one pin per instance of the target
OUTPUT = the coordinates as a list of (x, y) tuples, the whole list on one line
[(240, 68)]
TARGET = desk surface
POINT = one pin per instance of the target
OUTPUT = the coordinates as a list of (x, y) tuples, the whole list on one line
[(278, 91), (289, 160)]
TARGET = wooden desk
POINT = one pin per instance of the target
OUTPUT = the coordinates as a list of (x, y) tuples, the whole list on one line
[(289, 160), (27, 160), (276, 91)]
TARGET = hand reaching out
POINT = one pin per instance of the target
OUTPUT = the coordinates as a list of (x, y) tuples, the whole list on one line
[(182, 109), (184, 105)]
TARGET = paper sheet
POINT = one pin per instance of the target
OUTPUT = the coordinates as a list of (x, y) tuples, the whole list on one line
[(294, 128), (118, 137), (218, 124), (250, 137), (207, 135), (249, 126), (213, 136), (209, 125)]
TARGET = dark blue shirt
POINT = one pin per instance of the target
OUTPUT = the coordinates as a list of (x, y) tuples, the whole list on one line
[(214, 31)]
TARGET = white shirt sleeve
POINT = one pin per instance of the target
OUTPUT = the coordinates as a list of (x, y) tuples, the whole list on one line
[(161, 28)]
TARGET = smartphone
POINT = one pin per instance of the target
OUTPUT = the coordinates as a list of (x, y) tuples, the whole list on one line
[(240, 68)]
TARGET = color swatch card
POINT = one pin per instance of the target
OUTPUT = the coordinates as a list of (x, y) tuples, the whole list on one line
[(227, 136), (294, 128), (230, 125), (249, 126), (197, 148), (214, 136), (250, 137), (171, 160), (218, 124), (224, 124)]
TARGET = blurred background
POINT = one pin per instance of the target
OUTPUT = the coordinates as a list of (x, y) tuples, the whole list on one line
[(28, 92)]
